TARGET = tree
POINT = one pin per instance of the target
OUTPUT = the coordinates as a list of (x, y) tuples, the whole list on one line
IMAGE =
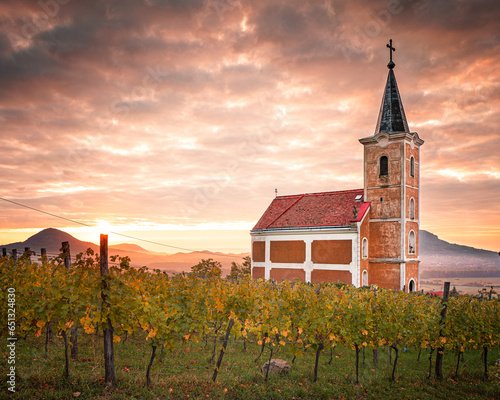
[(207, 269), (241, 270)]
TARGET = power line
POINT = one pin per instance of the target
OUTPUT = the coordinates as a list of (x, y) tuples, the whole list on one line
[(45, 212), (115, 233)]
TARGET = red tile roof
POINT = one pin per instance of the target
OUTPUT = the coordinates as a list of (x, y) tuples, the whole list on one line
[(313, 209)]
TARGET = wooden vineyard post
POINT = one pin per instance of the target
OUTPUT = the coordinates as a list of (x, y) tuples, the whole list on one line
[(27, 254), (49, 334), (74, 331), (67, 255), (4, 252), (64, 334), (109, 360), (14, 255), (223, 350), (440, 350)]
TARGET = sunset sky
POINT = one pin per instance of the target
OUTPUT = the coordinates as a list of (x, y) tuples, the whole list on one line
[(175, 120)]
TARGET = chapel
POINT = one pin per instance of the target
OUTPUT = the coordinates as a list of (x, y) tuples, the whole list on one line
[(361, 237)]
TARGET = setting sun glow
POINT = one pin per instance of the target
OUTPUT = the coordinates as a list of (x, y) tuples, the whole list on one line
[(102, 227)]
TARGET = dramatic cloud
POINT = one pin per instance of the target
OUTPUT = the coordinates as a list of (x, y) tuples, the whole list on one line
[(160, 116)]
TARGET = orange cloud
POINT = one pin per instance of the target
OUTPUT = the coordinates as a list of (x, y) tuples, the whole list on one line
[(191, 112)]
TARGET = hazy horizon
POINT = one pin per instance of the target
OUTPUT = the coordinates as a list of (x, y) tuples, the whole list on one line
[(114, 240)]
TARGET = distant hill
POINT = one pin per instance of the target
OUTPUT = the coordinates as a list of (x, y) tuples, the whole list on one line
[(129, 247), (51, 240), (435, 254)]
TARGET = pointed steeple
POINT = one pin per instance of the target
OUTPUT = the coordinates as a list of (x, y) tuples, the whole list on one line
[(392, 116)]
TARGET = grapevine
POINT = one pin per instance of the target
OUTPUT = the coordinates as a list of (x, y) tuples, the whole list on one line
[(187, 307)]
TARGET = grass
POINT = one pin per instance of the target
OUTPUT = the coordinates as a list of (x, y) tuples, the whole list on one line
[(185, 373)]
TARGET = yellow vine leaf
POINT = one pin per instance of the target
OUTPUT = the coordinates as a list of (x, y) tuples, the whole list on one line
[(40, 324), (117, 339), (300, 330), (87, 325), (152, 333)]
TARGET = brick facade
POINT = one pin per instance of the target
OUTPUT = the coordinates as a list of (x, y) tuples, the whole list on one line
[(290, 274), (288, 251), (331, 251), (321, 275)]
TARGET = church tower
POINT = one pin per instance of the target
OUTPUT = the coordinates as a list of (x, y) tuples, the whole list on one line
[(392, 186)]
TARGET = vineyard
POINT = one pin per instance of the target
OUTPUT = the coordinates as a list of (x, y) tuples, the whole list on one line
[(78, 303)]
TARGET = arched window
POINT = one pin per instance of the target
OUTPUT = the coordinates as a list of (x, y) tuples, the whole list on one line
[(411, 286), (412, 244), (412, 167), (412, 208), (364, 249), (364, 279), (384, 166)]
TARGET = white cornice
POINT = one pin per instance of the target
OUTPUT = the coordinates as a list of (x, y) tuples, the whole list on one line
[(305, 230), (383, 138)]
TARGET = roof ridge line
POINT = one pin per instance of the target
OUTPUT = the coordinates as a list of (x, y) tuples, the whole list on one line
[(315, 193), (279, 216), (336, 191), (288, 195)]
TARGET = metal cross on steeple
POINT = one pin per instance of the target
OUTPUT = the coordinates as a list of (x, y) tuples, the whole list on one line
[(391, 64)]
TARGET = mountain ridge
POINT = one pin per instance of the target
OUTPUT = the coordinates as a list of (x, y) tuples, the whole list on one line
[(51, 239), (435, 253)]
